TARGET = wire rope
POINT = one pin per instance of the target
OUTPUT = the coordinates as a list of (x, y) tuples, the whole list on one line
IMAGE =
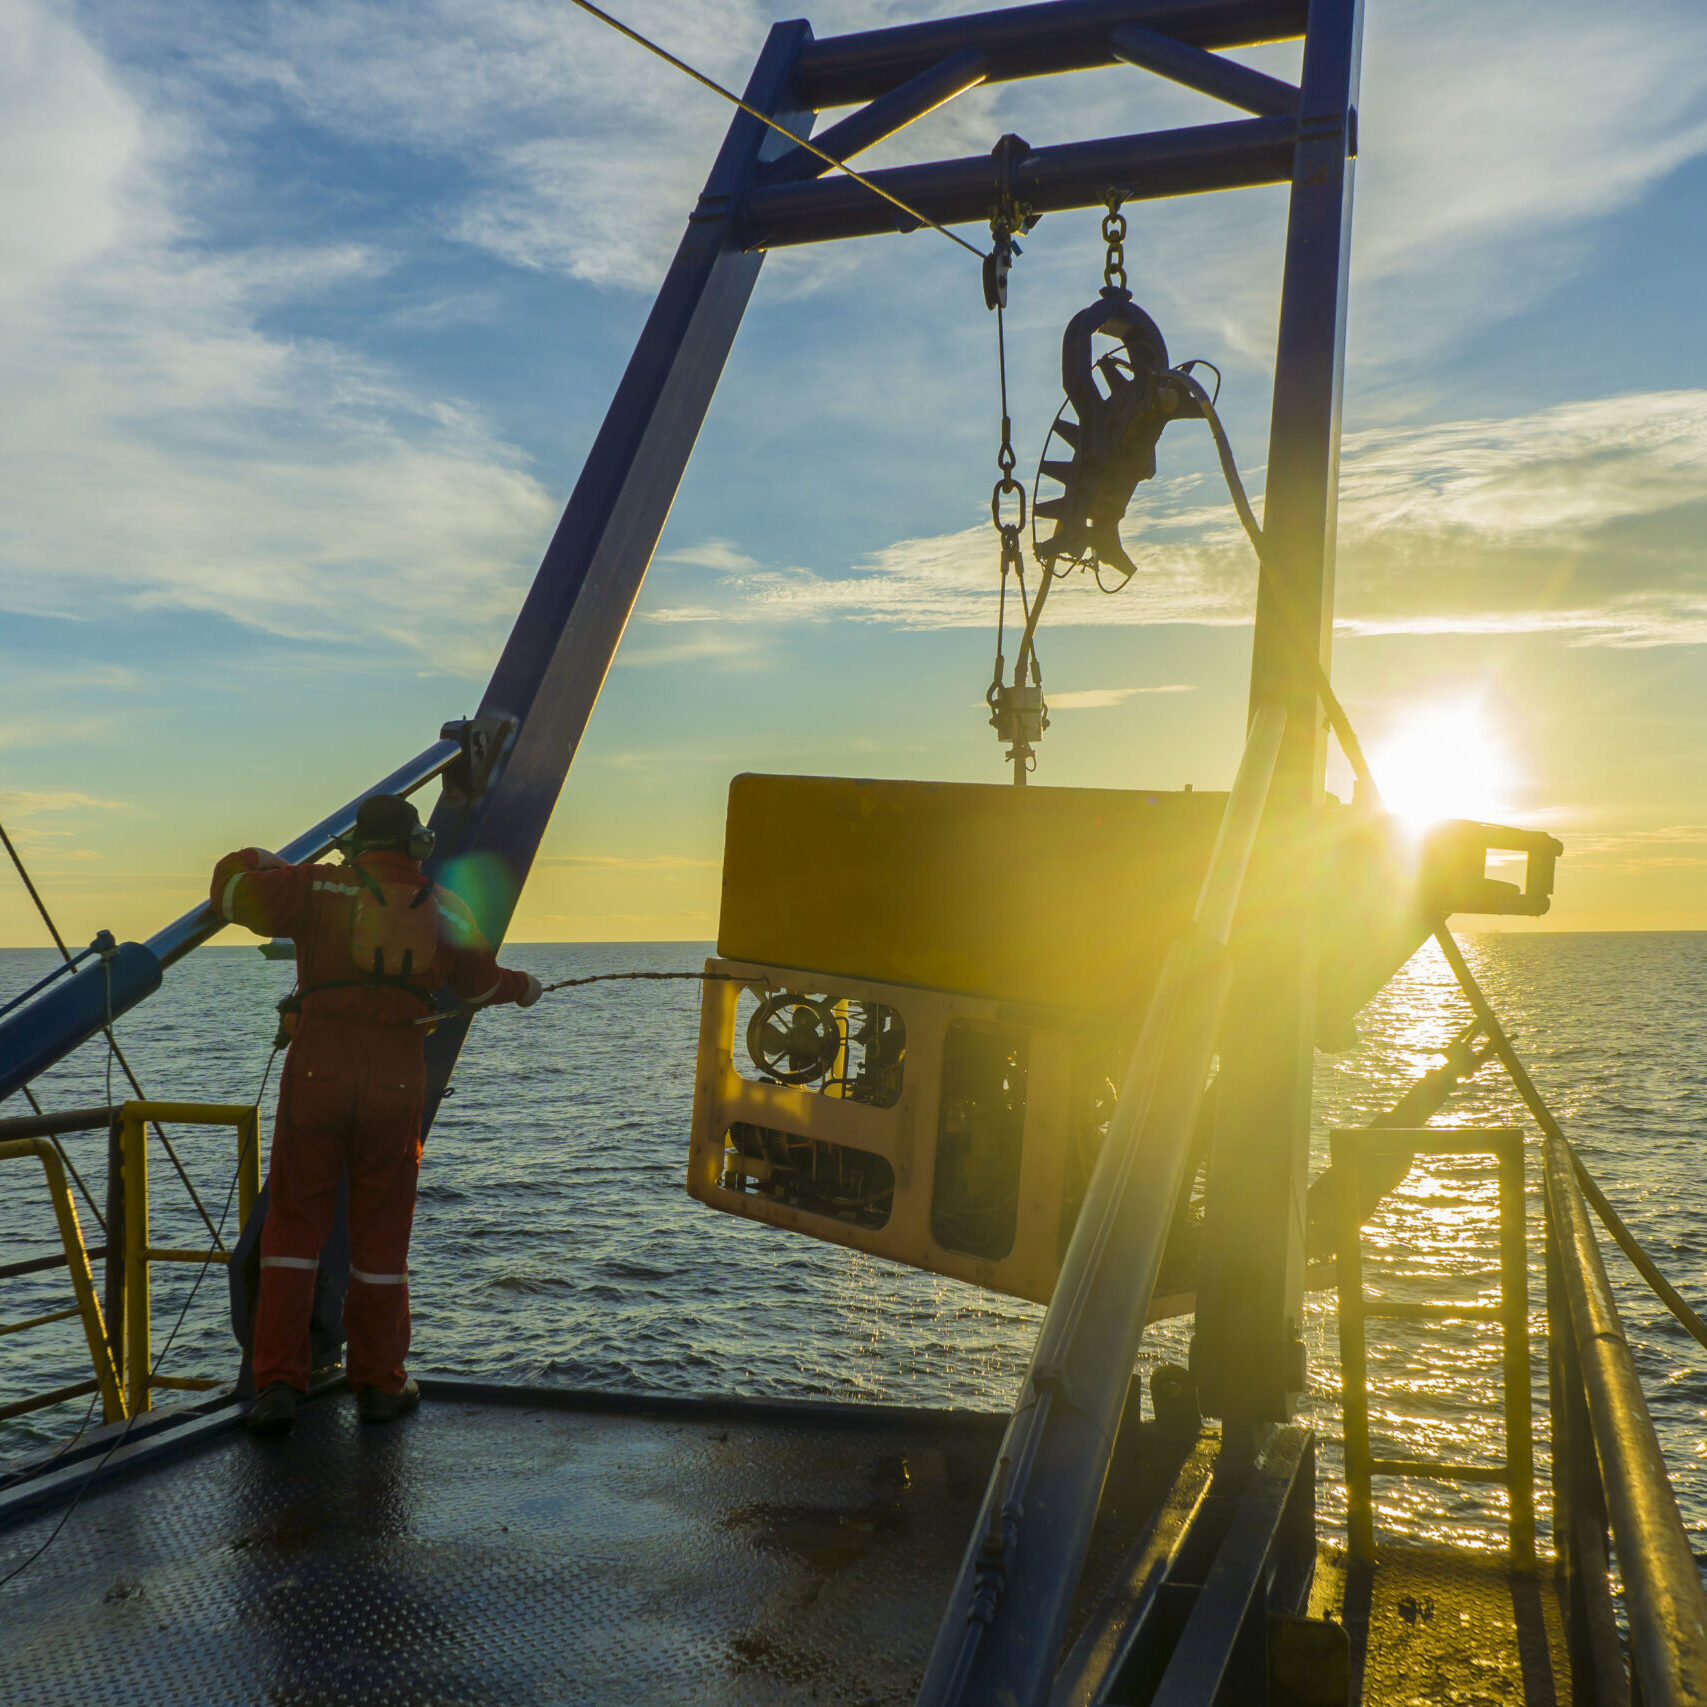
[(113, 1049), (781, 129)]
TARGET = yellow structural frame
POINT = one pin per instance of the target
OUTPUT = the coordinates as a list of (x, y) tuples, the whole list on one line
[(139, 1252), (904, 1135), (88, 1306)]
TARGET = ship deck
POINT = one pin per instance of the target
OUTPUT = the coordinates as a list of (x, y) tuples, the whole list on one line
[(501, 1546), (509, 1545), (510, 1552), (1441, 1624)]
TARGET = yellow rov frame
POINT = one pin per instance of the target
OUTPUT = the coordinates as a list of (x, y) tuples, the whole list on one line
[(1037, 915), (907, 1135)]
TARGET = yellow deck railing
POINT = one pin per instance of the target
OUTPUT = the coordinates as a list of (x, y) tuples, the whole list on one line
[(87, 1306), (140, 1252)]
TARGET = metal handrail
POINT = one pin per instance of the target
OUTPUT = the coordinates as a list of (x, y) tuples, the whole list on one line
[(1666, 1605), (1351, 1147), (194, 928), (87, 1307), (119, 1336), (140, 1375), (1501, 1044)]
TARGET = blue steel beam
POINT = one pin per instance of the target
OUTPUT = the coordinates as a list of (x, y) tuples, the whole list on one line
[(1207, 73), (883, 117), (1248, 1355), (1234, 155), (1031, 41), (553, 665), (200, 923)]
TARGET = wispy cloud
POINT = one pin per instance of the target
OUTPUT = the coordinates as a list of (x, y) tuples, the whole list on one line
[(722, 647), (159, 447), (1583, 520), (1099, 699), (26, 803), (710, 554), (41, 822)]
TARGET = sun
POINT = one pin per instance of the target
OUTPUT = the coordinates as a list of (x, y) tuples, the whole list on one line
[(1445, 762)]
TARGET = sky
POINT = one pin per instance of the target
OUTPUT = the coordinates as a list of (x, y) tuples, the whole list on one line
[(309, 313)]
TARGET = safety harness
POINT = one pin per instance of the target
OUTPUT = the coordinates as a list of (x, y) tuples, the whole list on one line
[(387, 944)]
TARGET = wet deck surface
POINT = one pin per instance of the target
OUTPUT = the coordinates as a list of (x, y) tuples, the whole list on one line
[(499, 1554), (1429, 1625)]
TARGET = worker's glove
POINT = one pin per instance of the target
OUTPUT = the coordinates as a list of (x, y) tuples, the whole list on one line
[(532, 993)]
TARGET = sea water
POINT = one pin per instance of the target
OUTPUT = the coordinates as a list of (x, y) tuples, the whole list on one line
[(554, 1243)]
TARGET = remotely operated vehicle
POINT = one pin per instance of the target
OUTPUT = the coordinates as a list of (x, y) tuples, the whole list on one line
[(1105, 1113)]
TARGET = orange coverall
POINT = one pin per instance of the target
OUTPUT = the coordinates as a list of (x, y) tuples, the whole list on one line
[(350, 1102)]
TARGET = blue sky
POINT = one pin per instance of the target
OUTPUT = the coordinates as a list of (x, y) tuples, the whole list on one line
[(308, 314)]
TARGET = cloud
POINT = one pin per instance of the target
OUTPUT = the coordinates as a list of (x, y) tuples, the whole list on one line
[(579, 153), (163, 446), (22, 812), (721, 647), (710, 554), (1667, 847), (1478, 162), (1583, 520), (160, 448), (1099, 699), (25, 803), (1479, 179)]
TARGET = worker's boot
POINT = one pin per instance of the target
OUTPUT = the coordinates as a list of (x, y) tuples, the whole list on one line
[(274, 1412), (378, 1406)]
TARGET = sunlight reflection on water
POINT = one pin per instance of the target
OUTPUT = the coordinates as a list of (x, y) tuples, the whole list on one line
[(555, 1244)]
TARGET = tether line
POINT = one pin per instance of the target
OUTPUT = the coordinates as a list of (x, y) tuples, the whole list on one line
[(113, 1046), (781, 129)]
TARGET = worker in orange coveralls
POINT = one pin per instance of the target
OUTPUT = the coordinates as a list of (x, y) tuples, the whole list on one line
[(374, 940)]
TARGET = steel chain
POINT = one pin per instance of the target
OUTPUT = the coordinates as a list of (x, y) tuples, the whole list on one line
[(1114, 235)]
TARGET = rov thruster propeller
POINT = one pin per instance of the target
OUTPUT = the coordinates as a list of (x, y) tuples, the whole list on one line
[(794, 1039)]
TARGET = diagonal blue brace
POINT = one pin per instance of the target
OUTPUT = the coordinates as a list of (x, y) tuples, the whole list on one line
[(883, 117), (1208, 73), (495, 808)]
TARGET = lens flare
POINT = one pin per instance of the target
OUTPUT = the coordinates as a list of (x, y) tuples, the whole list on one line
[(1445, 762)]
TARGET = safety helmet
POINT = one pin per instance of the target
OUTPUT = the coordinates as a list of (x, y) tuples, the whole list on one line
[(390, 821)]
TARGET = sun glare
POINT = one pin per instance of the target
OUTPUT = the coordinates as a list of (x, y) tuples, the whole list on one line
[(1444, 763)]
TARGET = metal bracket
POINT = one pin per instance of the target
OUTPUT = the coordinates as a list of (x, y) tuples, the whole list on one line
[(484, 740), (1455, 878)]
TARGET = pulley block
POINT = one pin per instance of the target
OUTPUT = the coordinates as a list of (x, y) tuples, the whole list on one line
[(1117, 404)]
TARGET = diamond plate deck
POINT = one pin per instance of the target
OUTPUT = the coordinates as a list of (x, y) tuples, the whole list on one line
[(1442, 1624), (500, 1554)]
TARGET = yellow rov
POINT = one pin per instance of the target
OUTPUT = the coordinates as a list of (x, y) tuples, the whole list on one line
[(924, 995)]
